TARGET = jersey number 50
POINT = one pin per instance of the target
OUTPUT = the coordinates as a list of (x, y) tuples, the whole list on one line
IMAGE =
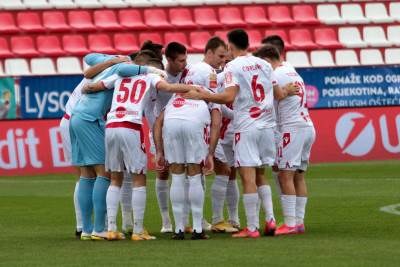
[(136, 91)]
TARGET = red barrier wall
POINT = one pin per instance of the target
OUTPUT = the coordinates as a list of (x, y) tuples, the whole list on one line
[(34, 146)]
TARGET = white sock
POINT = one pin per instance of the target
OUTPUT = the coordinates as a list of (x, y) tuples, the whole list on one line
[(258, 208), (177, 195), (138, 206), (300, 209), (126, 202), (112, 200), (218, 193), (162, 192), (277, 184), (265, 195), (196, 197), (186, 204), (232, 199), (78, 214), (289, 209), (250, 203)]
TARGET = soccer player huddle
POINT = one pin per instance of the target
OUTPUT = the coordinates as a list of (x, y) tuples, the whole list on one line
[(232, 112)]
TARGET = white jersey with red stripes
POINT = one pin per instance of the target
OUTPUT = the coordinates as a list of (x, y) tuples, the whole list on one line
[(253, 105), (202, 74), (75, 96), (292, 111), (131, 95), (162, 97)]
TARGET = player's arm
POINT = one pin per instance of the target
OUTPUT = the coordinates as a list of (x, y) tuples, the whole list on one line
[(288, 90), (226, 97), (99, 67), (214, 135), (102, 85), (129, 70), (174, 88), (158, 142)]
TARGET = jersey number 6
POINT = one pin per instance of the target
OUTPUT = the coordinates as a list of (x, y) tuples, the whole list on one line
[(257, 89)]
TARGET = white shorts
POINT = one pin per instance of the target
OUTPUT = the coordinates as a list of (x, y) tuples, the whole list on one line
[(255, 148), (224, 153), (277, 138), (184, 142), (294, 148), (66, 139), (125, 149)]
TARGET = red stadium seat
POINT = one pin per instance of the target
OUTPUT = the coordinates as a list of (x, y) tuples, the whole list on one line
[(155, 37), (327, 38), (282, 34), (254, 38), (81, 20), (182, 18), (301, 39), (131, 19), (125, 43), (106, 20), (280, 15), (304, 14), (198, 40), (75, 45), (157, 18), (55, 21), (206, 17), (30, 21), (100, 43), (5, 48), (49, 45), (231, 16), (177, 37), (23, 46), (7, 23), (255, 16), (222, 35)]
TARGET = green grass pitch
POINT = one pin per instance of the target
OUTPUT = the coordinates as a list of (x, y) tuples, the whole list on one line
[(345, 226)]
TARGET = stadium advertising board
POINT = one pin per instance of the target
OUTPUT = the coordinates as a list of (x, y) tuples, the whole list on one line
[(345, 87), (34, 146), (8, 107), (46, 96)]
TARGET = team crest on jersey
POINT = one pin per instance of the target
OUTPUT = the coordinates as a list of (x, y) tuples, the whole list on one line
[(178, 102), (228, 77), (120, 112), (286, 139), (213, 80)]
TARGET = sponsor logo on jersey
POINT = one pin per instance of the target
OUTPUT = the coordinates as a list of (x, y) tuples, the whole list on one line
[(178, 102), (355, 134), (120, 112), (213, 80), (255, 112)]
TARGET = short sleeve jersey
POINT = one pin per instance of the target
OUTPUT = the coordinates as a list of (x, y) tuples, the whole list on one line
[(253, 105), (292, 111), (131, 96), (75, 96)]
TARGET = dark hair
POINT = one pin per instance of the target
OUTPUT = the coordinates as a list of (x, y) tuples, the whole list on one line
[(156, 48), (213, 43), (239, 38), (174, 49), (267, 51), (276, 41), (142, 57), (156, 62)]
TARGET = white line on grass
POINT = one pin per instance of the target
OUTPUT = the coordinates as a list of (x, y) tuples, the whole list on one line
[(392, 209)]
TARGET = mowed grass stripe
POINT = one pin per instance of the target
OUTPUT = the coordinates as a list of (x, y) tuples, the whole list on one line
[(344, 226)]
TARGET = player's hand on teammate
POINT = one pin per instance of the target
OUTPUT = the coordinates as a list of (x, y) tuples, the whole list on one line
[(157, 71), (292, 89), (120, 59), (196, 93), (160, 161), (208, 165)]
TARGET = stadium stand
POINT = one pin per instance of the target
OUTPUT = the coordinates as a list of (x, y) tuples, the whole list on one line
[(42, 66), (341, 32)]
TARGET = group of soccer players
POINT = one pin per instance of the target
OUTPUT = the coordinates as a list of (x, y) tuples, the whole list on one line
[(231, 111)]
